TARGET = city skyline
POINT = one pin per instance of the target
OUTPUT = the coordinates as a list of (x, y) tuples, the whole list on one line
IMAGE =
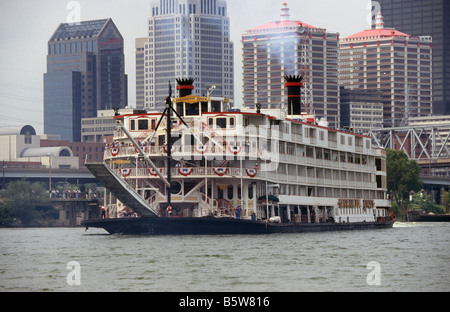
[(187, 39), (85, 74), (24, 56)]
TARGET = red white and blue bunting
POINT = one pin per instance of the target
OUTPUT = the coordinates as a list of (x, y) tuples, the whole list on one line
[(235, 149), (221, 171), (125, 172), (174, 148), (201, 149), (185, 171), (153, 172), (251, 172), (114, 151), (144, 148)]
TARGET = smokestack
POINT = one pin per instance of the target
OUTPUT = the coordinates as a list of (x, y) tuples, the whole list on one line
[(293, 84), (185, 86)]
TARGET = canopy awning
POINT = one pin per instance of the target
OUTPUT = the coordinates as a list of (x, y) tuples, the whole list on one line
[(272, 198)]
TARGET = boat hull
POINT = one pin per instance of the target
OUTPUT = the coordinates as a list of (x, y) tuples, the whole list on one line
[(219, 226), (429, 218)]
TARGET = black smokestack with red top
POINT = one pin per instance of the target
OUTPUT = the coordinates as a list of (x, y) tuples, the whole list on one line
[(185, 86), (293, 84)]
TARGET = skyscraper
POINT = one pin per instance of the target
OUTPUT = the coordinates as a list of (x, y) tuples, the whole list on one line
[(396, 63), (425, 18), (288, 47), (188, 38), (140, 72), (85, 73)]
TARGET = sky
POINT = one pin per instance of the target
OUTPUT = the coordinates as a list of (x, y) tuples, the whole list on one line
[(27, 25)]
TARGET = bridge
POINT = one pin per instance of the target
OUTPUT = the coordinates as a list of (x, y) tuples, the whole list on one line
[(428, 144), (74, 210), (46, 176)]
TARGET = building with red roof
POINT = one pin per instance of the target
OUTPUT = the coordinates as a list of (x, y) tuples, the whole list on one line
[(290, 47), (398, 64)]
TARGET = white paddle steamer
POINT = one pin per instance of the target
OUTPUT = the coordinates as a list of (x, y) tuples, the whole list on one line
[(203, 167)]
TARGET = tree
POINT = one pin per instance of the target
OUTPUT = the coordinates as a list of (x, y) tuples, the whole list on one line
[(22, 200), (446, 198), (403, 175), (425, 202)]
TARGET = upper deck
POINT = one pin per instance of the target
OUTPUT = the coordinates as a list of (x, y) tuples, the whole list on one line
[(243, 130)]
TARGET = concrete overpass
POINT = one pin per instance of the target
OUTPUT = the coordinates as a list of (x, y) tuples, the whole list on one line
[(47, 176)]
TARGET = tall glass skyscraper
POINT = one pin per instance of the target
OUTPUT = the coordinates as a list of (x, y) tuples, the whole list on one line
[(425, 18), (188, 39), (85, 73)]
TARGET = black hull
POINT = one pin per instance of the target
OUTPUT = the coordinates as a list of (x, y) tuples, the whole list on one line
[(219, 226), (429, 218)]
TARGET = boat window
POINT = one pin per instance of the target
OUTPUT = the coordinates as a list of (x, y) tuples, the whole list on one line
[(192, 109), (215, 106), (180, 110), (322, 135), (204, 107), (250, 191), (230, 192), (143, 124), (132, 125), (231, 122), (211, 122), (221, 123), (161, 140)]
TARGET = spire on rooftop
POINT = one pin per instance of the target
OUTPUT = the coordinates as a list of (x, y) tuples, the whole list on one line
[(285, 12), (379, 21)]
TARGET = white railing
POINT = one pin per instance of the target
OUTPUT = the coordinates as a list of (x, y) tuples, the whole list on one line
[(195, 172), (184, 151)]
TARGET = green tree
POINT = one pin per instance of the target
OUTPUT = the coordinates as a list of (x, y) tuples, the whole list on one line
[(403, 175), (446, 198), (21, 200), (425, 202)]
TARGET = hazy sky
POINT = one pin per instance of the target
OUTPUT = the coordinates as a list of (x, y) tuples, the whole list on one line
[(27, 25)]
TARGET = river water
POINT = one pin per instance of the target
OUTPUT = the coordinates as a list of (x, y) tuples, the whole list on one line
[(409, 257)]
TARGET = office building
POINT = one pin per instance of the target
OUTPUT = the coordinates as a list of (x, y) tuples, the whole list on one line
[(426, 18), (140, 72), (361, 109), (291, 47), (101, 128), (85, 73), (188, 39), (396, 63)]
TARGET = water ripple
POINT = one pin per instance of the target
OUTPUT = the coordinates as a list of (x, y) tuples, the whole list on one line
[(412, 257)]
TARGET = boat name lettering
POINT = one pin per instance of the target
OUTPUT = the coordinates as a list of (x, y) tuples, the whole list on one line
[(368, 203), (349, 203)]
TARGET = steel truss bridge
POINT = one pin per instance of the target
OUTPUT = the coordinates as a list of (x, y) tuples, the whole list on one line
[(429, 145)]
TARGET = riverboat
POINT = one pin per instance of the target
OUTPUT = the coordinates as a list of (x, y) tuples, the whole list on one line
[(205, 167)]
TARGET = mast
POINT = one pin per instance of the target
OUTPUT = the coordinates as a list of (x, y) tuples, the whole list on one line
[(169, 144)]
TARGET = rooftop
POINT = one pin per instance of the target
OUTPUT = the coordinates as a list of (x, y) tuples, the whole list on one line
[(378, 32), (282, 24), (86, 29)]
